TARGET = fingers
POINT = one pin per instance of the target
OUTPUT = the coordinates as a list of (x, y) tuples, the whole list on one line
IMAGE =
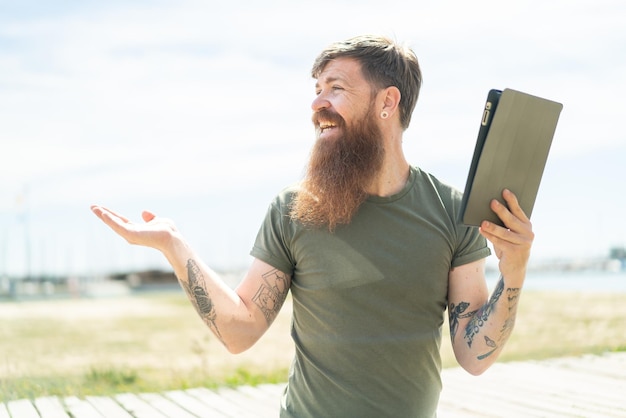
[(97, 210), (118, 223), (497, 235), (101, 211), (512, 243), (513, 204), (511, 214), (155, 232), (518, 228)]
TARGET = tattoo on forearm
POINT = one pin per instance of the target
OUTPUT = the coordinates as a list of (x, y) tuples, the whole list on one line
[(482, 315), (456, 312), (512, 295), (490, 343), (512, 298), (199, 296), (271, 295)]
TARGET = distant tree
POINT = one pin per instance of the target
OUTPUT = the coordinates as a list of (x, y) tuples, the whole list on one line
[(618, 253)]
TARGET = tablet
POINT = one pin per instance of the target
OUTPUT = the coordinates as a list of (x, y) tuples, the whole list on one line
[(514, 139)]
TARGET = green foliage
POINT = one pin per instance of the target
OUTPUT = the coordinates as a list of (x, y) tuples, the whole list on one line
[(243, 376), (109, 381), (156, 343), (110, 377)]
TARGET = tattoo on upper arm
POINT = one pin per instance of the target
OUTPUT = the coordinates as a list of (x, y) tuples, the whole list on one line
[(272, 293), (199, 296)]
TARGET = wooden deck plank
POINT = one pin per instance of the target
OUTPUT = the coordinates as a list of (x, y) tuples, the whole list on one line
[(166, 406), (571, 387), (535, 389), (4, 413), (22, 408), (108, 407), (266, 394), (527, 401), (586, 386), (609, 366), (514, 392), (50, 407), (472, 398), (80, 408), (137, 407), (257, 406), (580, 386), (225, 406), (540, 393), (197, 406), (272, 389)]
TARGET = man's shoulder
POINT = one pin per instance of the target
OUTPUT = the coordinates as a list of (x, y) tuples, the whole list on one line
[(443, 188), (286, 195), (283, 200)]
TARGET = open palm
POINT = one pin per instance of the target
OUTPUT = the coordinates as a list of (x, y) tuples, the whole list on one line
[(155, 232)]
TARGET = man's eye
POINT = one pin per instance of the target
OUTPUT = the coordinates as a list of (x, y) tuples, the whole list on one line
[(337, 88)]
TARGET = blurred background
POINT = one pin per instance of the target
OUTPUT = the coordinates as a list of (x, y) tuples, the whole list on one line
[(200, 112)]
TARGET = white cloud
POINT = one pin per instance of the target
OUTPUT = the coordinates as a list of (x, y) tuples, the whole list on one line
[(117, 101)]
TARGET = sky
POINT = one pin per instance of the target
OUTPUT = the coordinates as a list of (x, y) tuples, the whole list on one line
[(201, 113)]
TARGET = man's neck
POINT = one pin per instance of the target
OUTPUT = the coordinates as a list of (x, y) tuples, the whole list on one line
[(392, 177)]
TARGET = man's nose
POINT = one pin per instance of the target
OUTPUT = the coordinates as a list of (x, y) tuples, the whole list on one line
[(320, 103)]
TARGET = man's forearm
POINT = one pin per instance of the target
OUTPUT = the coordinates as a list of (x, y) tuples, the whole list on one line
[(218, 305), (488, 328), (494, 321), (196, 288), (230, 314)]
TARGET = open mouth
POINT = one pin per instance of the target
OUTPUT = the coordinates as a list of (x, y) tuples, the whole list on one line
[(325, 121), (326, 126)]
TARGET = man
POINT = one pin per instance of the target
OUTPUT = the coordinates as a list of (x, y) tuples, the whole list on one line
[(371, 250)]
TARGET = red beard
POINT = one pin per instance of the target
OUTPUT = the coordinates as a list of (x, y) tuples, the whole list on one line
[(339, 171)]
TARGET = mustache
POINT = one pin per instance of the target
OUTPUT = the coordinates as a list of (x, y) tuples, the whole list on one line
[(327, 115)]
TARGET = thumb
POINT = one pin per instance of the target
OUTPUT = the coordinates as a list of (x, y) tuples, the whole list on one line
[(147, 216)]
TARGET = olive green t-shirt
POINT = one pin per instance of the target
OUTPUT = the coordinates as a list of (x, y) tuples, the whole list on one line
[(369, 300)]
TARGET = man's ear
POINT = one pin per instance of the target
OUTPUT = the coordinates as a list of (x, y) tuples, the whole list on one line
[(391, 100)]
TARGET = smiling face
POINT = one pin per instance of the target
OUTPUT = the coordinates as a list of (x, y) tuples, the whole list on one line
[(343, 98), (348, 153)]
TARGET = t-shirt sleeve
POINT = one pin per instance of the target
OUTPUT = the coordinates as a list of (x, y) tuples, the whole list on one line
[(471, 246), (270, 244)]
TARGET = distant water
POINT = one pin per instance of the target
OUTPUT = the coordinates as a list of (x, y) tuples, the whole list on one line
[(587, 281)]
